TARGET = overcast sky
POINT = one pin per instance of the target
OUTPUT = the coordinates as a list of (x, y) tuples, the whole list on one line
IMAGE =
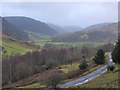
[(81, 14)]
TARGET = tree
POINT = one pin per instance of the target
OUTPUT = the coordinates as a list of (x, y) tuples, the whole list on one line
[(115, 52), (84, 51), (83, 65), (51, 63), (22, 71), (111, 68), (71, 55), (100, 57), (54, 80)]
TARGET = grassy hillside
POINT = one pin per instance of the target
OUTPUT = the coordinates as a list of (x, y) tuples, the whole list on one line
[(107, 80), (37, 36), (37, 81), (66, 69), (96, 26), (17, 46), (107, 34)]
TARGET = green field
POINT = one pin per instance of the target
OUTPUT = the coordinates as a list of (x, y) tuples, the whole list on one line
[(36, 85), (43, 42), (37, 36), (16, 48), (67, 68), (75, 44), (95, 44)]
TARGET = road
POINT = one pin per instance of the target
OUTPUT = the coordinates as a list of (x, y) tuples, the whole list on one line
[(86, 78)]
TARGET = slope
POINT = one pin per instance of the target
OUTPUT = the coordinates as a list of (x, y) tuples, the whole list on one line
[(107, 33), (71, 29), (13, 45), (12, 30), (96, 26), (57, 28), (108, 80), (30, 24)]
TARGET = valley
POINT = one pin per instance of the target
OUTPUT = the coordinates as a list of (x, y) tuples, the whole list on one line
[(34, 52)]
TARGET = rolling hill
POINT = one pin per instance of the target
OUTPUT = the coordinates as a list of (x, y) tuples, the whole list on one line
[(108, 33), (29, 24), (15, 39)]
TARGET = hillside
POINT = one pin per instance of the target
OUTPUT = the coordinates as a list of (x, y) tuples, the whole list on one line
[(108, 80), (57, 28), (70, 71), (107, 33), (37, 80), (12, 30), (13, 45), (65, 29), (71, 29), (96, 26), (29, 24)]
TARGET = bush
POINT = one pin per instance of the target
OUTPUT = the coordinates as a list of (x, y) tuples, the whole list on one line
[(83, 65), (99, 58), (54, 80), (111, 68), (73, 74), (51, 63)]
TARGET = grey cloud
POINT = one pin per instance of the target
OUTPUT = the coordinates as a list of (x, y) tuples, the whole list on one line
[(64, 13)]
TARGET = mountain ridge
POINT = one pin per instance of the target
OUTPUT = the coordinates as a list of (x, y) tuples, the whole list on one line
[(30, 24)]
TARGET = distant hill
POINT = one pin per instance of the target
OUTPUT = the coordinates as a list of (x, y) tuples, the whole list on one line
[(57, 28), (108, 33), (65, 29), (70, 29), (13, 31), (30, 24), (96, 26)]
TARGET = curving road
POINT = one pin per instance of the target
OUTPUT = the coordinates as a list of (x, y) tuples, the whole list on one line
[(88, 77)]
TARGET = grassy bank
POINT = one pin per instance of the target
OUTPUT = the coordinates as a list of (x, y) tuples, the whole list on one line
[(17, 47), (107, 80)]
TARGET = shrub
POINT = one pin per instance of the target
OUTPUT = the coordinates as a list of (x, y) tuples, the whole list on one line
[(51, 63), (54, 80), (73, 73), (111, 68), (83, 65)]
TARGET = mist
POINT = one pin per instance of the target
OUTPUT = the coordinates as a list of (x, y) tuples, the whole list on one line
[(81, 14)]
